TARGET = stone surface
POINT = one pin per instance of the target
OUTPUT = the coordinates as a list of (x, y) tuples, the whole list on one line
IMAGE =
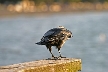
[(46, 65)]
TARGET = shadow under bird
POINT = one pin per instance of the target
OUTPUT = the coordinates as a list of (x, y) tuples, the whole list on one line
[(55, 37)]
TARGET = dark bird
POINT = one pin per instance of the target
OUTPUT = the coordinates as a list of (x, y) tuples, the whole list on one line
[(55, 37)]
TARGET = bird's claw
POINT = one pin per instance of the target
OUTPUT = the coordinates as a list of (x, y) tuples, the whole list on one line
[(61, 57), (53, 58), (58, 58)]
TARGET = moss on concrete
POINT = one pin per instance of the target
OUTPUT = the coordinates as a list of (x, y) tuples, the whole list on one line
[(62, 65)]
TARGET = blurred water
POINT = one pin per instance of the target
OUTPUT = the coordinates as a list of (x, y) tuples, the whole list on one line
[(90, 42)]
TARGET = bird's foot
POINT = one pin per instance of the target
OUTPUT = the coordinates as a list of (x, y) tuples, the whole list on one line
[(56, 58), (53, 58), (61, 57)]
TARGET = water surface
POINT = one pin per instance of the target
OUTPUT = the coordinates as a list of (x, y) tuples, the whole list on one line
[(90, 38)]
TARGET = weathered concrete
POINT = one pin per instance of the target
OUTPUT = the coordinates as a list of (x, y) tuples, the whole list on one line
[(47, 65)]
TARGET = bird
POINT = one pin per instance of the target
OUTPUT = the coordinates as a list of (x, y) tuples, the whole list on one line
[(55, 37)]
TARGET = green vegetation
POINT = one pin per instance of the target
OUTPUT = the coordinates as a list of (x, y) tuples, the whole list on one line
[(9, 1), (52, 1)]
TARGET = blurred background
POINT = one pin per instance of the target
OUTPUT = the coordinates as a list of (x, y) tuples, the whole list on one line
[(24, 22)]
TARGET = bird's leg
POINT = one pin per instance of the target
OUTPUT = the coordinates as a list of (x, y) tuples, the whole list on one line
[(60, 45), (60, 53), (49, 47), (51, 52)]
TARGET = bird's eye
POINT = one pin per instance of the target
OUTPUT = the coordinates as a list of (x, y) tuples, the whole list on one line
[(69, 36)]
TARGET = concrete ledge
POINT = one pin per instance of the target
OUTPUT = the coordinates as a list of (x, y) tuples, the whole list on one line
[(47, 65)]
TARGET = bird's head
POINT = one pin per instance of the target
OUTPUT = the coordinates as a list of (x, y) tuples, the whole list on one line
[(61, 27), (69, 34)]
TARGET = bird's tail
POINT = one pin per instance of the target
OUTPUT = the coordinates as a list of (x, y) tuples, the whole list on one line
[(40, 43)]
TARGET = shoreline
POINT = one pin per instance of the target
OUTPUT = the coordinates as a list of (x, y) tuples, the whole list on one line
[(14, 14), (30, 8)]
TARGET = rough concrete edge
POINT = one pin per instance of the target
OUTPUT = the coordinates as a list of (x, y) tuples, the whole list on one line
[(73, 65)]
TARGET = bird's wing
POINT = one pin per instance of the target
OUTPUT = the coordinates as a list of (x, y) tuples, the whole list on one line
[(51, 34), (48, 33)]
